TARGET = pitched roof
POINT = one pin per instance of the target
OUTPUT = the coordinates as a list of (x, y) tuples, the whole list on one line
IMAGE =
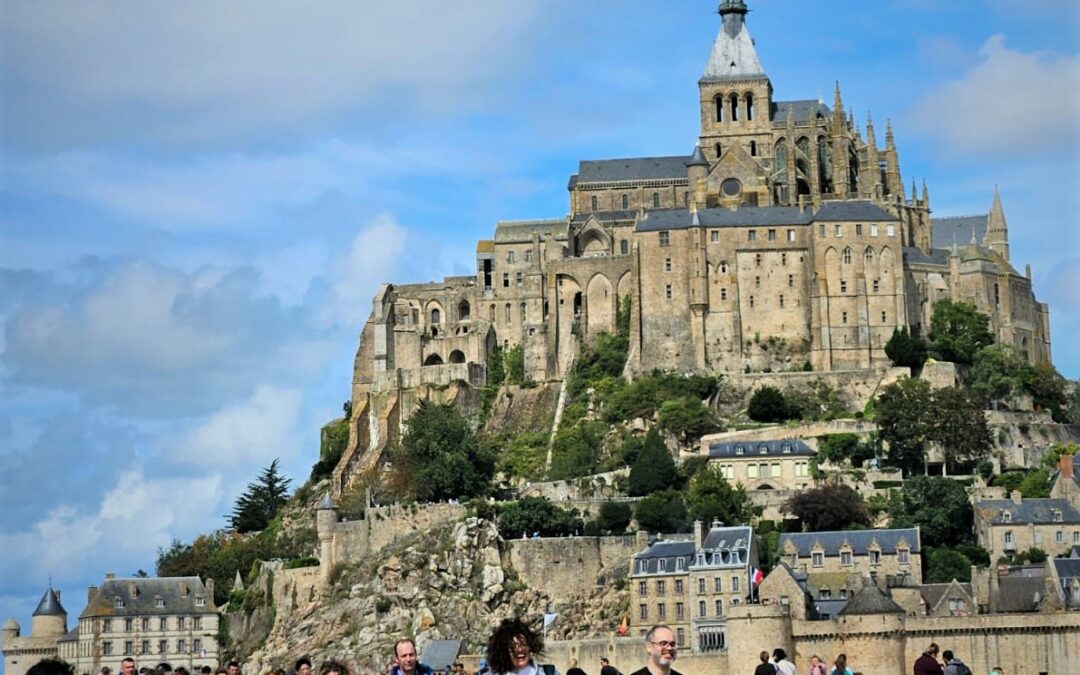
[(631, 168), (944, 232), (1066, 568), (648, 560), (728, 538), (733, 55), (1020, 593), (858, 540), (519, 231), (140, 596), (788, 446), (853, 209), (50, 605), (937, 256), (620, 214), (801, 111), (870, 600), (1034, 511), (70, 636), (932, 593), (679, 219)]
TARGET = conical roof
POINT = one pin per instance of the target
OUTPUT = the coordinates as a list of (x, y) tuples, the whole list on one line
[(11, 624), (696, 159), (733, 54), (870, 600), (50, 605)]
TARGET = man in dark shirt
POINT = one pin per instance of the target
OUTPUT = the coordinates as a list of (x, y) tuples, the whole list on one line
[(661, 651), (765, 668)]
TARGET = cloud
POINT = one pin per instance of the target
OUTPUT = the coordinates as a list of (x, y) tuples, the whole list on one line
[(204, 70), (368, 263), (255, 431), (1012, 102)]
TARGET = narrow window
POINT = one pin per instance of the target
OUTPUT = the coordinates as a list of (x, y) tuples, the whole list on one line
[(781, 301), (723, 267), (686, 198), (665, 238), (753, 148), (506, 280), (626, 201), (757, 260), (791, 235), (624, 247), (723, 294), (873, 230), (751, 301), (783, 258), (843, 317), (667, 291), (719, 150), (847, 256), (843, 285), (821, 229), (757, 282), (718, 102), (506, 314), (528, 255), (593, 200), (858, 229), (876, 285), (520, 279), (667, 264), (656, 200), (510, 257), (524, 314), (714, 236), (734, 107), (839, 230), (884, 317), (751, 235), (890, 230), (772, 235), (791, 281), (750, 113)]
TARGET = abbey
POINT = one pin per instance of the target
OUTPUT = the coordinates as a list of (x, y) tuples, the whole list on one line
[(784, 238)]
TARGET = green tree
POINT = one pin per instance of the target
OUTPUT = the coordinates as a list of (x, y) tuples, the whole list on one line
[(837, 448), (959, 425), (937, 505), (662, 512), (259, 503), (686, 416), (768, 405), (904, 418), (1048, 391), (614, 517), (943, 565), (523, 456), (1056, 452), (654, 469), (514, 360), (958, 331), (536, 515), (818, 400), (573, 453), (440, 458), (832, 506), (711, 497), (622, 318), (496, 369), (906, 350), (998, 372), (1036, 484)]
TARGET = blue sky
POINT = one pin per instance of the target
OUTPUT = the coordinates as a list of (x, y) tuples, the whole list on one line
[(199, 199)]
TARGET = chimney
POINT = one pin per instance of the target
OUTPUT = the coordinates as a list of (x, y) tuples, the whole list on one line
[(699, 535), (1065, 466), (1015, 496), (90, 590), (210, 589)]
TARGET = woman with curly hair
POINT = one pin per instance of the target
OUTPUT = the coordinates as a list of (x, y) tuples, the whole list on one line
[(511, 649)]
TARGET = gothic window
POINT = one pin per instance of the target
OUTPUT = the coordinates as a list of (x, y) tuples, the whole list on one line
[(847, 255), (780, 188), (506, 314), (731, 187), (626, 201), (824, 165), (656, 200), (734, 99), (435, 316), (802, 157), (750, 108), (868, 257)]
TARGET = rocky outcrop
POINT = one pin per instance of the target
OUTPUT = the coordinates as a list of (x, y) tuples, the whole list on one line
[(449, 582)]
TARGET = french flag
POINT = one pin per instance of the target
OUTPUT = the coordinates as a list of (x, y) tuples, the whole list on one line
[(756, 576)]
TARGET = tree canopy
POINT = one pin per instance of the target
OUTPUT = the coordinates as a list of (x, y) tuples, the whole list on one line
[(654, 470), (906, 350), (711, 497), (832, 506), (662, 512), (903, 412), (998, 372), (259, 503), (938, 505), (768, 404), (531, 515), (958, 331), (958, 424), (440, 458)]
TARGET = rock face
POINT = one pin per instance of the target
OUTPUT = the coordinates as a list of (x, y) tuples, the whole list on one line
[(451, 582)]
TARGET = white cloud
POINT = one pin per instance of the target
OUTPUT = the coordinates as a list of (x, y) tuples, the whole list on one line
[(255, 431), (370, 261), (1012, 102)]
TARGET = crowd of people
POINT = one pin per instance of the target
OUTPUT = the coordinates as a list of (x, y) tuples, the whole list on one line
[(513, 650)]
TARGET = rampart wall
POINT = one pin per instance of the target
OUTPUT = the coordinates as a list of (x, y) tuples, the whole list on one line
[(573, 565)]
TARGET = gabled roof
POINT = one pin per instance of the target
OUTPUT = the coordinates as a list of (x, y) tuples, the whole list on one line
[(933, 593), (853, 209), (945, 232), (728, 538), (70, 636), (619, 214), (631, 168), (50, 605), (1066, 568), (668, 551), (1020, 593), (1035, 511), (937, 256), (801, 111), (870, 600), (140, 596), (788, 446), (858, 540)]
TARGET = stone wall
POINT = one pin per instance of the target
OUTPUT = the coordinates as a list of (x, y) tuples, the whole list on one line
[(858, 385), (355, 539), (587, 488), (571, 566), (808, 432)]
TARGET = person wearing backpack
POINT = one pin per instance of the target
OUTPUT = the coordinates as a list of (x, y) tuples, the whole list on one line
[(953, 665)]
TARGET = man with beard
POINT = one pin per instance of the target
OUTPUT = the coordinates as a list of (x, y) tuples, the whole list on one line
[(661, 650)]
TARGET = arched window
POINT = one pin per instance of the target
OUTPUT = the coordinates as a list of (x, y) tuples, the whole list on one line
[(624, 247), (433, 360), (749, 106), (626, 201), (463, 310), (824, 165), (491, 313), (868, 258), (847, 255), (719, 150), (457, 356), (436, 316), (753, 148), (593, 200), (523, 313), (734, 107), (506, 314), (718, 102)]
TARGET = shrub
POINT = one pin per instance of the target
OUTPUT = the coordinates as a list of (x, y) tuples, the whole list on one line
[(905, 350), (301, 562), (837, 447), (614, 517), (768, 405)]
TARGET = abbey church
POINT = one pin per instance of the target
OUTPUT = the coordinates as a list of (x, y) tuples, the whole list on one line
[(784, 240)]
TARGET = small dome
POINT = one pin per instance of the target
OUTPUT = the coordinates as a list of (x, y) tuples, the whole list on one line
[(50, 605)]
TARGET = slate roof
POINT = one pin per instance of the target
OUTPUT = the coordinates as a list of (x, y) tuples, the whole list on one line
[(932, 593), (622, 214), (678, 219), (631, 168), (733, 55), (937, 256), (10, 624), (870, 600), (1035, 511), (728, 537), (1020, 593), (510, 231), (669, 551), (50, 605), (830, 607), (1076, 472), (944, 232), (70, 636), (140, 597), (793, 447), (1066, 568), (804, 111), (853, 209), (441, 654), (859, 540)]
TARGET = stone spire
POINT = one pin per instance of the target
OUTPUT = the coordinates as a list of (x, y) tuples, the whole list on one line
[(997, 232), (925, 194), (892, 160), (733, 54)]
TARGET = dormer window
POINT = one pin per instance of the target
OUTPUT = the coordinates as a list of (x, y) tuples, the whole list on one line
[(643, 566), (118, 603), (786, 448), (159, 602), (739, 450), (663, 564), (200, 601), (875, 557), (1057, 515), (1006, 516), (817, 559), (701, 557), (680, 564), (762, 448), (902, 556)]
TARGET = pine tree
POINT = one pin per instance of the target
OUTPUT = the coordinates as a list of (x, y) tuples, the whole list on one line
[(259, 503), (654, 470)]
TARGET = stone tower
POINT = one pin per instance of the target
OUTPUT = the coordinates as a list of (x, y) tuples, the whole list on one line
[(997, 232), (50, 617)]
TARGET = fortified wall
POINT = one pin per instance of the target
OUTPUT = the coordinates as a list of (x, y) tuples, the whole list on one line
[(566, 566)]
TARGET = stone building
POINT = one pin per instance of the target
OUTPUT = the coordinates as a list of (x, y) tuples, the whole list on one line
[(836, 562), (1065, 573), (784, 238), (764, 465), (1008, 526), (153, 619), (692, 584), (48, 626)]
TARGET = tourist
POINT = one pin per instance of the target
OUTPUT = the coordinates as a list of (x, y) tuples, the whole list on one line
[(105, 670), (206, 670), (127, 666), (997, 670), (302, 666), (51, 667), (512, 647), (661, 650), (221, 670), (407, 661), (574, 670), (233, 668), (334, 668), (765, 668), (783, 666), (927, 664), (840, 666), (606, 668), (953, 665), (816, 666)]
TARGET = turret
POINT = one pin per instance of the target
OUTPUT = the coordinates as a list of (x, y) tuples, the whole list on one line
[(326, 516), (50, 617), (9, 632), (697, 172), (892, 169), (997, 232)]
